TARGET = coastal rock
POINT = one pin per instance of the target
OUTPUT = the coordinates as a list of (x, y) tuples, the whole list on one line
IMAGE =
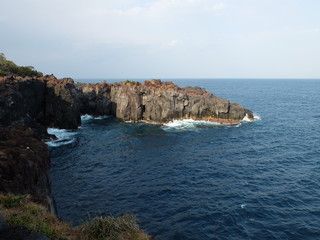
[(43, 101), (50, 102), (24, 163), (29, 105), (61, 103), (94, 99), (156, 101), (21, 101)]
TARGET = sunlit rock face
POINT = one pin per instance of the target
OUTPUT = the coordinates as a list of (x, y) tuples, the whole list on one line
[(157, 101)]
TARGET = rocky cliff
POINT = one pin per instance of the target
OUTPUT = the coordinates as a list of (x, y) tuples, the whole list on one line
[(50, 102), (156, 101), (29, 105), (39, 102), (24, 164)]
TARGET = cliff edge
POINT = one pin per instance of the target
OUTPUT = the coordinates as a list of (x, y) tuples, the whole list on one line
[(28, 105), (157, 101)]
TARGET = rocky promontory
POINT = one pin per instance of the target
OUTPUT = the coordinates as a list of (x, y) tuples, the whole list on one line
[(31, 102), (28, 105), (157, 101)]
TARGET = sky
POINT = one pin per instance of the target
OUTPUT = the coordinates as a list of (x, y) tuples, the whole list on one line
[(164, 38)]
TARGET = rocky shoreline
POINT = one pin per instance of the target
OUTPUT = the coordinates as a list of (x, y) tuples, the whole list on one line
[(157, 101), (29, 105)]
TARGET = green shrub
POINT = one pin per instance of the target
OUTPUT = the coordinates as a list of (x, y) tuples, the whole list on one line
[(21, 211), (9, 68), (10, 200), (113, 228)]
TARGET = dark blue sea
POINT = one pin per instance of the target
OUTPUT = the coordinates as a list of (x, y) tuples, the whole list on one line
[(193, 180)]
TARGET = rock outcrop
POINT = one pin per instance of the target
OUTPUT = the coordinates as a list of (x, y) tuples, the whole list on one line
[(29, 105), (24, 164), (62, 104), (43, 101), (95, 99), (156, 101), (50, 102)]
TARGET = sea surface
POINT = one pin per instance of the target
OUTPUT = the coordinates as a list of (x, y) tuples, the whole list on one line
[(194, 180)]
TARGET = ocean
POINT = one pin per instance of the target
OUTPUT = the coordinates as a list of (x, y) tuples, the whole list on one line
[(195, 180)]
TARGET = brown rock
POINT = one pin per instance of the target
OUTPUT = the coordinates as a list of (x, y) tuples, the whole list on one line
[(161, 102), (24, 163)]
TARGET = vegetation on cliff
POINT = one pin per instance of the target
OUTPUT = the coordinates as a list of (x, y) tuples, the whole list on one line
[(20, 210), (8, 67)]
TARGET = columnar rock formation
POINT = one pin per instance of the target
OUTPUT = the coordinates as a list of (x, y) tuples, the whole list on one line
[(156, 101)]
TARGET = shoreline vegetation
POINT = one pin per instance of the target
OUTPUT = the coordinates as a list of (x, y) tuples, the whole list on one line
[(8, 67), (20, 210)]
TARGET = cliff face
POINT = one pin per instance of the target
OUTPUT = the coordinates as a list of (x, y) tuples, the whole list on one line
[(61, 104), (156, 101), (44, 101), (29, 105), (94, 99), (24, 163)]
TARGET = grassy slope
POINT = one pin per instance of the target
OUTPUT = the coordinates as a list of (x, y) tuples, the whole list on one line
[(21, 211)]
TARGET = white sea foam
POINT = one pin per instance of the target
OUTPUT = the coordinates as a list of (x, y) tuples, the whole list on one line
[(187, 124), (243, 205), (256, 117), (246, 119), (64, 137), (88, 117)]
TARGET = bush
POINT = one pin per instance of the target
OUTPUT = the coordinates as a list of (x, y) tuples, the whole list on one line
[(10, 200), (19, 210), (113, 228), (2, 73), (10, 68)]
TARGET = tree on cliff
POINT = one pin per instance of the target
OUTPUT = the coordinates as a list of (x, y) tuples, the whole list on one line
[(10, 68)]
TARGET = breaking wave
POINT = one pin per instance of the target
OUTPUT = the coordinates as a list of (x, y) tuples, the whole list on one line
[(187, 124), (256, 117), (64, 137), (87, 117)]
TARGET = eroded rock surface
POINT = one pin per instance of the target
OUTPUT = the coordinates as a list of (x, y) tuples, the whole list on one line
[(24, 163), (157, 101), (29, 105)]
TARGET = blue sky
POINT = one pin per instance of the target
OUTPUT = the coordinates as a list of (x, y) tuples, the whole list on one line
[(164, 38)]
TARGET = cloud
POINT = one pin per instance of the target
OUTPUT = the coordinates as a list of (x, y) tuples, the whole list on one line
[(172, 7), (316, 30), (173, 43), (217, 7), (129, 12), (158, 33)]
